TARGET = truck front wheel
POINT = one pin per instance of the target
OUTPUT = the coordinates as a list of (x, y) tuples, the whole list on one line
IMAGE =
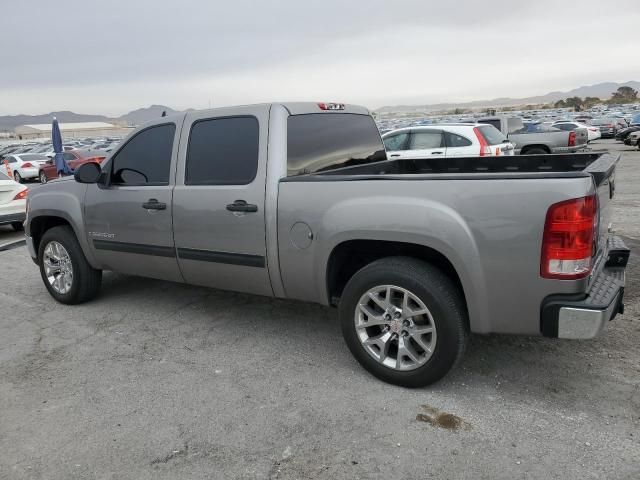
[(404, 320), (64, 269)]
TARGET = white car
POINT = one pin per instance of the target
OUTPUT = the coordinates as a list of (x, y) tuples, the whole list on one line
[(13, 202), (447, 140), (23, 166), (593, 133)]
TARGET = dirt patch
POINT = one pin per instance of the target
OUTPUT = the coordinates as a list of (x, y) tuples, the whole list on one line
[(441, 419)]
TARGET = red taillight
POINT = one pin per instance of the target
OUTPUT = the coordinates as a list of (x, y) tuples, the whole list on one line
[(568, 239), (572, 139), (26, 165), (22, 195), (485, 149)]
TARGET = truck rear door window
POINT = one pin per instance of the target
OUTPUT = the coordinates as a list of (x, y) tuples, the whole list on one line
[(324, 141), (223, 151)]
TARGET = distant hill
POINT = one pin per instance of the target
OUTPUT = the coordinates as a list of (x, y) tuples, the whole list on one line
[(9, 122), (599, 90), (136, 117), (142, 115)]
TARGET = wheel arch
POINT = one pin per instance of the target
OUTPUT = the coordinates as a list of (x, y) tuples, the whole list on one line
[(349, 256), (39, 224), (532, 146)]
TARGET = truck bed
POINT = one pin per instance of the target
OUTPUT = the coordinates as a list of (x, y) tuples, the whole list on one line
[(598, 164)]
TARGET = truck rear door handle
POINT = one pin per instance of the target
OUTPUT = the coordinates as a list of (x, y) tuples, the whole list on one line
[(154, 204), (242, 206), (437, 153), (395, 155)]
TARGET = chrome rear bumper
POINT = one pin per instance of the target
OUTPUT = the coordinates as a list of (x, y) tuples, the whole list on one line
[(585, 315)]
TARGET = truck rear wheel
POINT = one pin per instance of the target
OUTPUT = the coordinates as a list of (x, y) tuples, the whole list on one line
[(404, 320), (64, 269)]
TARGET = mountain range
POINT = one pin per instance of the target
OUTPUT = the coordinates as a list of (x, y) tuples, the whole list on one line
[(135, 117), (599, 90), (141, 115)]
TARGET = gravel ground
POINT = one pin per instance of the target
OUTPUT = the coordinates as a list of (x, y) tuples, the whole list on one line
[(156, 380)]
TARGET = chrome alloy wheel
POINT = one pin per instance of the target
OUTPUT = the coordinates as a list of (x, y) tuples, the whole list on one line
[(58, 267), (395, 327)]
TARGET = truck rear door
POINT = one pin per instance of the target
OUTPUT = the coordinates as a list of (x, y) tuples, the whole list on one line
[(218, 201)]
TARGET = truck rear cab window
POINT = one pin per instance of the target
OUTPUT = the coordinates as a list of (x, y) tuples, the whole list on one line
[(223, 151), (325, 141), (146, 158)]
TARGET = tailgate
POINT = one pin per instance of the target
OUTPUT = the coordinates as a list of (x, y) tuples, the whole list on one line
[(582, 136), (603, 173)]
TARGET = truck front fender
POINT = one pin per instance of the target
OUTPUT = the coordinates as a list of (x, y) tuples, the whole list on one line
[(59, 200)]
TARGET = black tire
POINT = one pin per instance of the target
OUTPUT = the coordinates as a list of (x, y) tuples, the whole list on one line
[(535, 151), (43, 177), (17, 177), (17, 226), (436, 290), (86, 279)]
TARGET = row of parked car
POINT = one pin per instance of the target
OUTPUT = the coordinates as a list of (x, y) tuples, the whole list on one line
[(488, 136), (36, 166), (34, 161), (510, 135)]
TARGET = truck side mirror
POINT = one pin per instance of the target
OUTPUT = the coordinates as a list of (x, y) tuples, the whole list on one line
[(87, 173)]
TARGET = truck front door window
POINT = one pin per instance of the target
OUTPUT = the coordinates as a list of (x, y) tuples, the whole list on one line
[(145, 159)]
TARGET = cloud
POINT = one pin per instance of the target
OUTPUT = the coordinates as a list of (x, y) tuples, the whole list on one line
[(109, 57)]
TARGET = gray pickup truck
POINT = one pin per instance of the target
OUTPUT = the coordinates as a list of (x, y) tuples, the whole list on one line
[(298, 200), (535, 138)]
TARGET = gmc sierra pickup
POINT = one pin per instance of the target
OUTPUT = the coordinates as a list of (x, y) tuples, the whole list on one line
[(298, 200)]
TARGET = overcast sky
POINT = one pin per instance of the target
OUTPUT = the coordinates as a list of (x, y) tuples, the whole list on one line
[(112, 56)]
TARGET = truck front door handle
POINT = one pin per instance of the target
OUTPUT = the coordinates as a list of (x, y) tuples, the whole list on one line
[(437, 153), (154, 204), (242, 206)]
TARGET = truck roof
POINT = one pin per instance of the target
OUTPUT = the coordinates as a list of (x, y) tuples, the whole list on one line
[(294, 108)]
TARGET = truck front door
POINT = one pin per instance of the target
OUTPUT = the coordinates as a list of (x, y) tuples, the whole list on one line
[(218, 214), (128, 214)]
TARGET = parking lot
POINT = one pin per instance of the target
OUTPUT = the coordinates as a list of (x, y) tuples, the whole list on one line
[(160, 380)]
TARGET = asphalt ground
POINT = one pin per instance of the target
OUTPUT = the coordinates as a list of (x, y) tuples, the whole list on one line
[(155, 380)]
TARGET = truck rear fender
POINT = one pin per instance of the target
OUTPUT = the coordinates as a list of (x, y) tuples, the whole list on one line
[(403, 222)]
